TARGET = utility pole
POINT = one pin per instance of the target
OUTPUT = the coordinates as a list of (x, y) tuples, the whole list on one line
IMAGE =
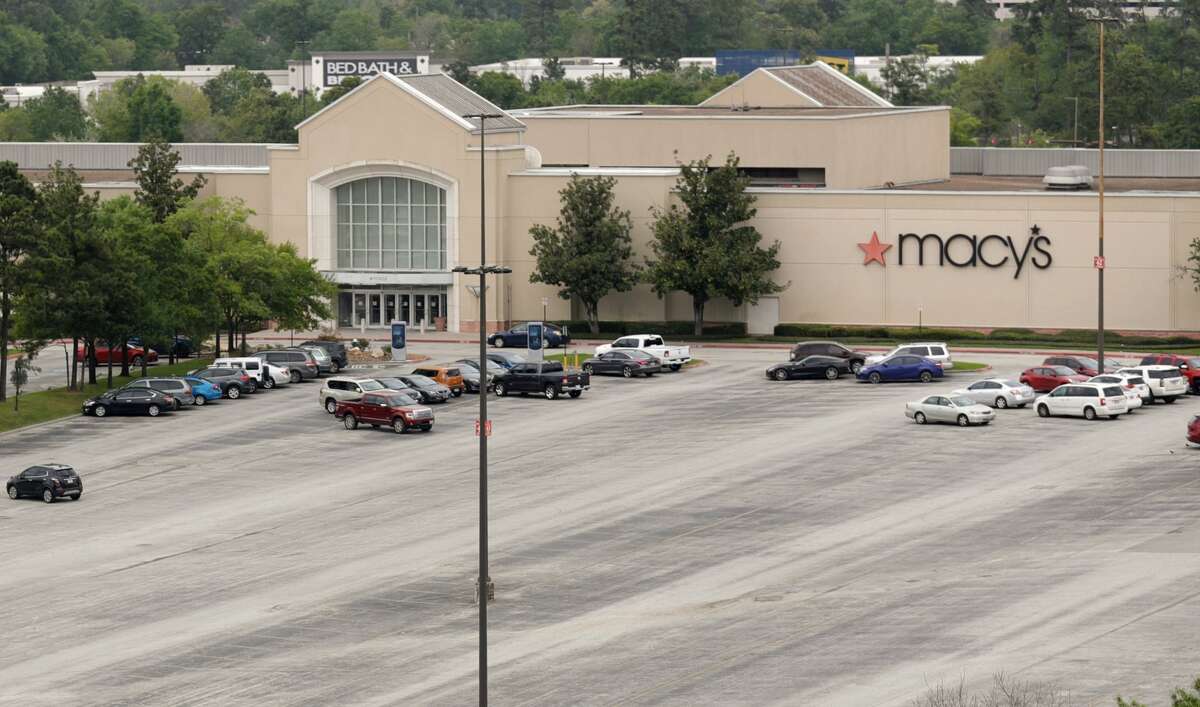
[(1100, 264), (484, 583), (304, 78)]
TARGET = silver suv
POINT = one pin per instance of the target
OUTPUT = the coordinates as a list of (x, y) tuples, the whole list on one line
[(300, 364), (177, 388), (345, 388)]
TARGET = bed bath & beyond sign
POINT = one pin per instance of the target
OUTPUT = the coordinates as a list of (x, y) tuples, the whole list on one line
[(966, 251)]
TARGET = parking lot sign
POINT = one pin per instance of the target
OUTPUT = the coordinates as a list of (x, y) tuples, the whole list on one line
[(533, 342), (487, 429), (1098, 262), (399, 341)]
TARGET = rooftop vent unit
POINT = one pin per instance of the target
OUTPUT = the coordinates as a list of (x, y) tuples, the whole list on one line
[(1070, 177)]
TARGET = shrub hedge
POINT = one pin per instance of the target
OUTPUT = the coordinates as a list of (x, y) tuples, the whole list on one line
[(1067, 336)]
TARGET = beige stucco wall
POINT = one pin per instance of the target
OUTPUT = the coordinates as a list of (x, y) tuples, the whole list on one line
[(759, 88), (855, 152)]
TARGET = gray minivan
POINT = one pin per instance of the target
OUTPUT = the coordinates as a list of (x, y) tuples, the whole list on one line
[(300, 364), (176, 387)]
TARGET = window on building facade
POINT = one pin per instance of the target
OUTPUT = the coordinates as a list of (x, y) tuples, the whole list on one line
[(391, 223)]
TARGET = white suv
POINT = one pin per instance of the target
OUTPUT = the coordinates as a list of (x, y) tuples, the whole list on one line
[(265, 375), (1135, 387), (1166, 382), (345, 388), (1089, 400), (937, 352)]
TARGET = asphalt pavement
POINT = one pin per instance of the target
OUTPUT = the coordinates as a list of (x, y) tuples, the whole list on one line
[(703, 537)]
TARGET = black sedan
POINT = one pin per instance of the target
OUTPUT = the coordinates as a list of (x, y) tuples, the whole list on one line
[(130, 401), (625, 363), (505, 359), (826, 367), (47, 482)]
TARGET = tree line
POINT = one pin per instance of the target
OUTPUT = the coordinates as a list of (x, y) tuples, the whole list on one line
[(703, 245), (157, 264)]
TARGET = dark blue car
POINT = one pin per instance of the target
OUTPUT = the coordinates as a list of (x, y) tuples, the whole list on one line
[(901, 368), (553, 337)]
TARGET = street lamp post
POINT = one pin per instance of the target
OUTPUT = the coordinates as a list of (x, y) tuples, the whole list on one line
[(1075, 132), (1100, 240), (484, 581)]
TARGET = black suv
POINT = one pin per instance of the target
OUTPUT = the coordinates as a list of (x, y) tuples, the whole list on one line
[(233, 382), (335, 349), (853, 358), (47, 482)]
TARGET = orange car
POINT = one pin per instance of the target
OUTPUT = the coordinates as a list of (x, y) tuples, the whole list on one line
[(448, 376)]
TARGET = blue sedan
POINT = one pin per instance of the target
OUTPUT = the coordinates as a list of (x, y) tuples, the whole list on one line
[(517, 337), (203, 390), (901, 368)]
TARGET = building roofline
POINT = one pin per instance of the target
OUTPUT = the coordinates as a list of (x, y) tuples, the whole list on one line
[(856, 85), (631, 114)]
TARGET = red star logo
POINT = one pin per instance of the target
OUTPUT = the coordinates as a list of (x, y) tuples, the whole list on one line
[(874, 250)]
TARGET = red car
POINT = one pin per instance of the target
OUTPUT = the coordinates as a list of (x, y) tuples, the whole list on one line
[(384, 408), (1044, 379), (133, 354), (1082, 365), (1188, 365), (1193, 434)]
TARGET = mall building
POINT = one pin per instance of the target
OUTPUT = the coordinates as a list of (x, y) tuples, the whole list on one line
[(383, 192)]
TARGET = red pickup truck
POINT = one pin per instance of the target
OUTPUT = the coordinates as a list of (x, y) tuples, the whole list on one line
[(393, 409), (133, 354)]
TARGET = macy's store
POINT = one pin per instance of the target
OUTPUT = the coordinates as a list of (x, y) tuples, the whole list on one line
[(382, 191)]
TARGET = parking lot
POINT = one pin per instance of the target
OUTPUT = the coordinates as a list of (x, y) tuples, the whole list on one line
[(704, 537)]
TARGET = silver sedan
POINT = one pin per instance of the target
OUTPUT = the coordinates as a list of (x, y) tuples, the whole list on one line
[(958, 409), (999, 393)]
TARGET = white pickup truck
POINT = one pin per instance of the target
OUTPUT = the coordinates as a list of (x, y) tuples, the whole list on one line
[(672, 356)]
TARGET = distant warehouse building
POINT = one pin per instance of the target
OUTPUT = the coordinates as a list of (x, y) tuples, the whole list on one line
[(382, 191)]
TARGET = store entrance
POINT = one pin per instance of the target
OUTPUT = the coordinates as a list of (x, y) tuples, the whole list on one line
[(379, 308)]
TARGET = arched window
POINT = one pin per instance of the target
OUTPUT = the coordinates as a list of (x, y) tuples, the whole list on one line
[(391, 223)]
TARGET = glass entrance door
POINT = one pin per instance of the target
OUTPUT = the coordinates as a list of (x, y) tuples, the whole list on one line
[(419, 310), (406, 308), (376, 310), (389, 308)]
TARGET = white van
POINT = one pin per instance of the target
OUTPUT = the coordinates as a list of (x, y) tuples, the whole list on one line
[(1087, 400), (937, 352), (1167, 383), (264, 375)]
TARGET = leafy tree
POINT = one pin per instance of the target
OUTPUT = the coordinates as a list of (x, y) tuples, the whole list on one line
[(540, 20), (707, 248), (1181, 697), (345, 86), (230, 86), (153, 114), (1181, 131), (650, 33), (22, 53), (200, 28), (15, 125), (22, 367), (19, 212), (587, 255), (56, 115), (159, 189), (964, 127), (504, 90), (352, 29)]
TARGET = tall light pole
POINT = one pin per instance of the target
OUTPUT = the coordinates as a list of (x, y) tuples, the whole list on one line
[(1075, 134), (1100, 240), (483, 585)]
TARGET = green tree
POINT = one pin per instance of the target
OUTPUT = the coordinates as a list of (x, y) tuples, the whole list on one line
[(1181, 697), (587, 255), (15, 125), (345, 86), (22, 367), (153, 114), (707, 248), (56, 115), (200, 28), (19, 213), (23, 53), (964, 128), (650, 34), (1181, 130), (540, 20), (232, 85), (352, 29), (159, 187)]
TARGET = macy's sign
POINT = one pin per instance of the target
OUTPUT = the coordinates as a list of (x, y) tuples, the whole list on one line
[(964, 251)]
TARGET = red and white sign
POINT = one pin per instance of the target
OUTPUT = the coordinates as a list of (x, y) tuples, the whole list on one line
[(487, 428), (1098, 262)]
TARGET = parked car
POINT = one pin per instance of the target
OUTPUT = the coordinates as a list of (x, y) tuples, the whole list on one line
[(959, 409), (672, 357), (203, 390), (1166, 383), (129, 402), (998, 393), (177, 388), (1189, 365), (827, 367), (902, 367), (1043, 379), (1135, 387), (1087, 400), (336, 350), (395, 385), (626, 362), (233, 382), (300, 363), (430, 390), (133, 354), (384, 408), (553, 337), (854, 359), (1193, 430), (325, 364), (938, 353), (48, 482), (549, 379), (265, 374), (470, 374), (1082, 365), (506, 359), (345, 389), (182, 345), (449, 376)]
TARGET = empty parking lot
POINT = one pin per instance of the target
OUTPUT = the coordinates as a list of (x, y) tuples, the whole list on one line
[(701, 537)]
